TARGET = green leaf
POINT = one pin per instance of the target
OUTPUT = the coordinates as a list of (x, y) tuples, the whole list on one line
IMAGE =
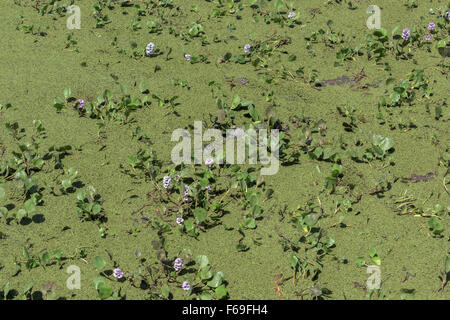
[(254, 114), (189, 225), (3, 212), (202, 260), (441, 44), (221, 292), (143, 87), (330, 241), (435, 225), (57, 254), (437, 114), (246, 103), (190, 228), (104, 291), (447, 263), (99, 263), (96, 209), (81, 195), (66, 183), (216, 280), (256, 211), (382, 142), (58, 104), (200, 214), (395, 30), (311, 219), (38, 162), (372, 252), (380, 33), (394, 96), (294, 261), (97, 281), (205, 273), (165, 291), (28, 288), (236, 102), (205, 296), (250, 223), (376, 260), (6, 290), (45, 257), (336, 169), (67, 93), (278, 5), (25, 253), (360, 262), (20, 214), (29, 205)]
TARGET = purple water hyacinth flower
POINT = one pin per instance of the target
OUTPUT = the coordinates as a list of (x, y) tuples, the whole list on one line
[(176, 177), (209, 162), (186, 286), (117, 273), (431, 26), (187, 56), (167, 182), (208, 188), (178, 264), (428, 37), (247, 48), (447, 15), (150, 49), (180, 221), (186, 193), (291, 14), (81, 103), (406, 34)]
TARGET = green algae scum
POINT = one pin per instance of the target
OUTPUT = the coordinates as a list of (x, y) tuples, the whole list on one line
[(93, 94)]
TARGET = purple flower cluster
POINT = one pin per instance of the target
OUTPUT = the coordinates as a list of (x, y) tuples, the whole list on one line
[(291, 14), (431, 26), (178, 264), (187, 56), (186, 193), (150, 49), (180, 221), (447, 15), (167, 182), (247, 48), (406, 34), (81, 103), (428, 37), (117, 273), (186, 286)]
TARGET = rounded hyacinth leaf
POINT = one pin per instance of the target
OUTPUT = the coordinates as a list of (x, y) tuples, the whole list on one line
[(200, 214), (104, 291), (202, 261), (99, 263)]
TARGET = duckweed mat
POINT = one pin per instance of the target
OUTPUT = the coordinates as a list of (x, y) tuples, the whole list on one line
[(93, 207)]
